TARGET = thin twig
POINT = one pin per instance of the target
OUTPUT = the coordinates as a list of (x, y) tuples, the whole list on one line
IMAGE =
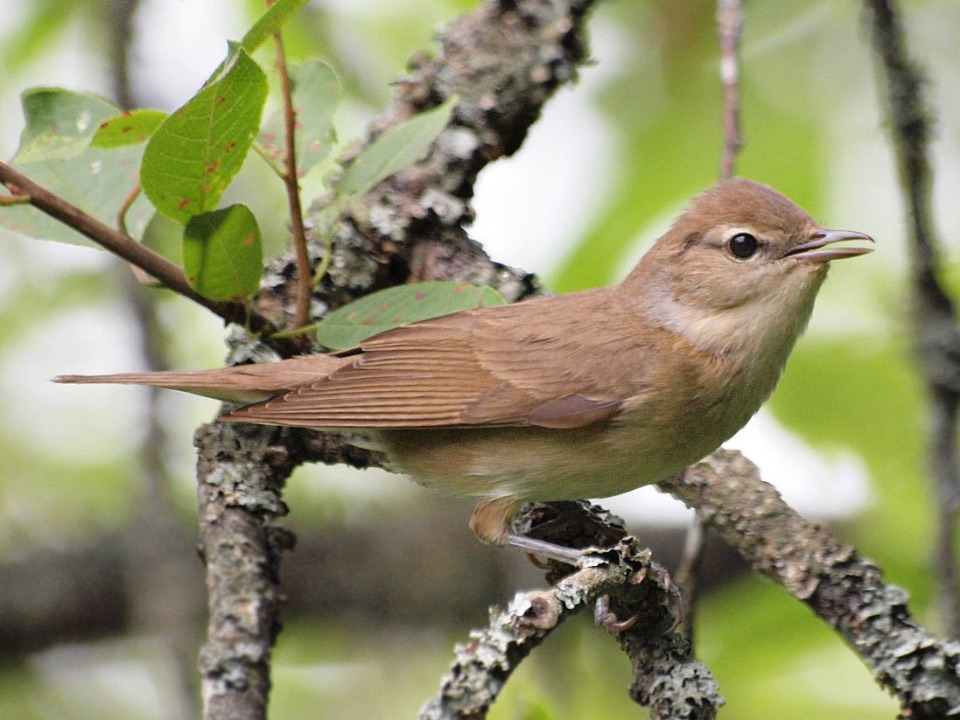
[(161, 579), (292, 184), (729, 24), (120, 244), (687, 574), (937, 342)]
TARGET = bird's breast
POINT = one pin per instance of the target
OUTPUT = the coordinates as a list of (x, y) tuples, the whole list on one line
[(607, 458)]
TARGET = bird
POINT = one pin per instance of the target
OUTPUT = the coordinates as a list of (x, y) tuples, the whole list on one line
[(580, 395)]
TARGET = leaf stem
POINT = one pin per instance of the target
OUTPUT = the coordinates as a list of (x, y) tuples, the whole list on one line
[(15, 199), (268, 159), (325, 260), (277, 13), (125, 208)]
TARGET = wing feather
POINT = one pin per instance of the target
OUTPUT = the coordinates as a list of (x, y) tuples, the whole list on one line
[(510, 365)]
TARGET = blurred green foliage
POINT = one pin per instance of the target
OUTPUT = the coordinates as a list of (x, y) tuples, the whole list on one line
[(812, 128)]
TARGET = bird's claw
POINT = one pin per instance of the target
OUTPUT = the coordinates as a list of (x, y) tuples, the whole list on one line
[(608, 620)]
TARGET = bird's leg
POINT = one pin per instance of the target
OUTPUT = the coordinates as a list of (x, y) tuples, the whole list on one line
[(542, 548), (492, 523)]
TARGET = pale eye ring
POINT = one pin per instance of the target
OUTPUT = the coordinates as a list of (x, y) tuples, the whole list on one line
[(743, 246)]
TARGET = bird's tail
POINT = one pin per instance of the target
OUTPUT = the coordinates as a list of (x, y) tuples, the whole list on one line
[(242, 384)]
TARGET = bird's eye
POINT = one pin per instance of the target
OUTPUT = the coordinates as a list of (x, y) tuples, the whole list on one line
[(743, 246)]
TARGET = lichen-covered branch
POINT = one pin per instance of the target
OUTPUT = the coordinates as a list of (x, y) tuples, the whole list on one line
[(844, 589), (240, 476), (937, 339), (666, 677), (503, 62)]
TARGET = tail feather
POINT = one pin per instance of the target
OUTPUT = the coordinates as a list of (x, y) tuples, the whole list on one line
[(242, 384)]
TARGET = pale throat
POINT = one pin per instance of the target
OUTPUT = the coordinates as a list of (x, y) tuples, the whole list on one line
[(762, 330), (752, 341)]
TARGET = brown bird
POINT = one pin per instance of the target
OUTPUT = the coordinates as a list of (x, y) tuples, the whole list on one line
[(582, 395)]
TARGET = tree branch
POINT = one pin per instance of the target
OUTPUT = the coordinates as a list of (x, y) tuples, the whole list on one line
[(240, 474), (120, 244), (667, 679), (503, 62), (845, 590), (937, 340)]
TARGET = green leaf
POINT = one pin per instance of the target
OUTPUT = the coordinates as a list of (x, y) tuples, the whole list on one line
[(275, 16), (316, 94), (55, 152), (59, 123), (401, 305), (222, 256), (164, 236), (128, 128), (196, 152), (395, 150)]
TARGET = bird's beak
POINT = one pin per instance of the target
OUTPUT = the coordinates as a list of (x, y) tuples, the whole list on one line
[(816, 250)]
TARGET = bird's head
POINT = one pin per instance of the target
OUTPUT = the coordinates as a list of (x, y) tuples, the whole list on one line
[(744, 261)]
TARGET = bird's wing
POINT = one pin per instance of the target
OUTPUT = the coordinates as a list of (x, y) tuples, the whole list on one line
[(510, 365)]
